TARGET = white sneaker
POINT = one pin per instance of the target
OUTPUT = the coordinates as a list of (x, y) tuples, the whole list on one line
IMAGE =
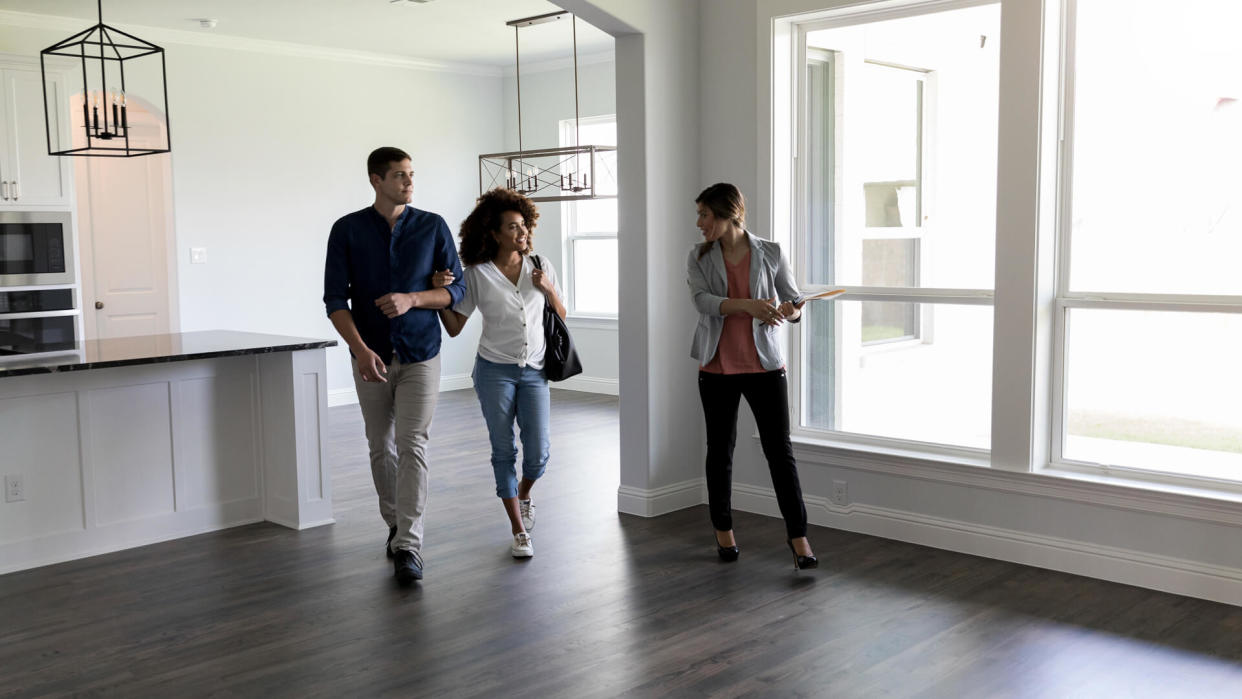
[(528, 514), (522, 546)]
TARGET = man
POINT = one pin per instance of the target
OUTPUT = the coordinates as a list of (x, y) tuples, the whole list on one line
[(378, 294)]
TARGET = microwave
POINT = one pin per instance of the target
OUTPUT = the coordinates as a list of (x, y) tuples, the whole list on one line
[(36, 248)]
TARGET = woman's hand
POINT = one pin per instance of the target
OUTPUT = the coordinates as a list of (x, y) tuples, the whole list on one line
[(790, 310), (764, 311), (541, 282), (441, 279)]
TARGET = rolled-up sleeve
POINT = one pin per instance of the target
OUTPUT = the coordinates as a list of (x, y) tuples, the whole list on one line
[(446, 258), (786, 285), (336, 271), (704, 300)]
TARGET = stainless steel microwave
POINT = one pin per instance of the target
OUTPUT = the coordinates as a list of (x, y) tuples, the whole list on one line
[(36, 248)]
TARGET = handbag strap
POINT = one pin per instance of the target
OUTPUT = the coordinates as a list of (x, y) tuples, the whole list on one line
[(535, 259)]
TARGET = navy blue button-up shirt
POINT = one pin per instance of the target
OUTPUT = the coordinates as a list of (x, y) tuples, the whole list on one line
[(366, 260)]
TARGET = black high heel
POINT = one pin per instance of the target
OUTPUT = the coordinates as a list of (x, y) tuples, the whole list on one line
[(802, 562), (728, 554)]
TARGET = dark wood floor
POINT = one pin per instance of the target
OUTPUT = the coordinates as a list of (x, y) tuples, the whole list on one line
[(610, 605)]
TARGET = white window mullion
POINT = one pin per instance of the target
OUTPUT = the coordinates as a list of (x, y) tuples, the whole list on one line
[(1021, 332)]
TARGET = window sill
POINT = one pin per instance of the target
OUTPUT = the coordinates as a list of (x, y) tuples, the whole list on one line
[(832, 447), (1204, 501), (591, 322), (1138, 479)]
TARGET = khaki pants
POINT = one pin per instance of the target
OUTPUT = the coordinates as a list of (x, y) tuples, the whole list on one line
[(397, 416)]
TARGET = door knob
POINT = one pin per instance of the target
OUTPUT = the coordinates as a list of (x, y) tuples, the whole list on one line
[(98, 304)]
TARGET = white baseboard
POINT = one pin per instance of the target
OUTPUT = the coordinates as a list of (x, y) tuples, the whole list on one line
[(456, 382), (590, 384), (347, 396), (1164, 573), (661, 501), (83, 543), (342, 396)]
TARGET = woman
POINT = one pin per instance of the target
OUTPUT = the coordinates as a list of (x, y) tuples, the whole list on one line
[(735, 280), (509, 291)]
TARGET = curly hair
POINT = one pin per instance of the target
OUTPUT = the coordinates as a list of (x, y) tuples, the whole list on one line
[(477, 243)]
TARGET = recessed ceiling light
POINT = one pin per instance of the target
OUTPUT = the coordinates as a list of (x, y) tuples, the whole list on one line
[(206, 22), (408, 2)]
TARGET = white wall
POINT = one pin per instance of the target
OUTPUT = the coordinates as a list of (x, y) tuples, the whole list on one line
[(658, 154), (268, 150), (547, 98)]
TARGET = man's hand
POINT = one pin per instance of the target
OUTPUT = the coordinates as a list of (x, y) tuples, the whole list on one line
[(371, 366), (395, 304)]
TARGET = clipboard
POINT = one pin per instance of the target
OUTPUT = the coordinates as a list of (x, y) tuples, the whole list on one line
[(821, 295)]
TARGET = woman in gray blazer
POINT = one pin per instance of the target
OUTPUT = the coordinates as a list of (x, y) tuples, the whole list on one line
[(743, 290)]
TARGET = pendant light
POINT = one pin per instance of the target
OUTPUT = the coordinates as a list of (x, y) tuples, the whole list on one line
[(566, 173), (123, 81)]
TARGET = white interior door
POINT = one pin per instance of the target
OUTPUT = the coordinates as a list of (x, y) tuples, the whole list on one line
[(124, 219)]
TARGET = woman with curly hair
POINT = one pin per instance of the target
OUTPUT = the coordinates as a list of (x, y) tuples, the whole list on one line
[(508, 289)]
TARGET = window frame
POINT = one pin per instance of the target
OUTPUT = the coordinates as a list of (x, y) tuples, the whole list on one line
[(1065, 299), (570, 233), (1030, 295), (799, 178)]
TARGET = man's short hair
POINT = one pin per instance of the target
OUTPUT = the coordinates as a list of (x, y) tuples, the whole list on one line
[(379, 160)]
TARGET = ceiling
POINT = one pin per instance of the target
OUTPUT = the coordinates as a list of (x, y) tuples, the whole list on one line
[(458, 31)]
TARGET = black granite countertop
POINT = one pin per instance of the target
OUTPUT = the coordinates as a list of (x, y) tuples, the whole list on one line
[(154, 349)]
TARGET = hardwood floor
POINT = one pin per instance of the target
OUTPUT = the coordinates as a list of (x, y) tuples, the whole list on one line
[(610, 604)]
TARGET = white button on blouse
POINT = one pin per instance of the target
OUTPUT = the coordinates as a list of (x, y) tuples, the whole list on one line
[(512, 315)]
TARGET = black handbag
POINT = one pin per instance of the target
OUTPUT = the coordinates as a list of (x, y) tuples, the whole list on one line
[(560, 359)]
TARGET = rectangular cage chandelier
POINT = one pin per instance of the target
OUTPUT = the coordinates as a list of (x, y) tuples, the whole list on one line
[(567, 173), (113, 101)]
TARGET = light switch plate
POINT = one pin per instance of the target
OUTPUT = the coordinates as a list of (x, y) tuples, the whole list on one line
[(14, 488), (198, 256)]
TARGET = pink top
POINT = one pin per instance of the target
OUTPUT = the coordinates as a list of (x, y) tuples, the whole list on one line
[(736, 353)]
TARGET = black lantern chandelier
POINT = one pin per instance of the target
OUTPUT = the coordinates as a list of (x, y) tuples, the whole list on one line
[(567, 173), (103, 52)]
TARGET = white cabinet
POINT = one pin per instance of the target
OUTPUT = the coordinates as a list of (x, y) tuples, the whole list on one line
[(29, 177)]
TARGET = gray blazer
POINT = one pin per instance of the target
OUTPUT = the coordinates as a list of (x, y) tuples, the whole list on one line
[(770, 277)]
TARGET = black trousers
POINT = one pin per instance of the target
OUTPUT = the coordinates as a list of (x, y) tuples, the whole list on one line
[(767, 395)]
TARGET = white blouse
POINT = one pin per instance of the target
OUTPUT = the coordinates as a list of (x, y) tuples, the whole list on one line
[(512, 315)]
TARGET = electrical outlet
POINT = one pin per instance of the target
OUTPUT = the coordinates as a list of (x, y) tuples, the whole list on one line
[(14, 489), (840, 493)]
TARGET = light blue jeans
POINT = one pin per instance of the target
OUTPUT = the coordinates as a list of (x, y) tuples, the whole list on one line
[(507, 392)]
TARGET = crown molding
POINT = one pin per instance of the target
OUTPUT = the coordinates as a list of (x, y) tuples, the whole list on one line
[(27, 20), (562, 63)]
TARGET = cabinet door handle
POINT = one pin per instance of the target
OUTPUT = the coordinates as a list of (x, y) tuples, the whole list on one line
[(16, 192), (98, 304), (4, 190)]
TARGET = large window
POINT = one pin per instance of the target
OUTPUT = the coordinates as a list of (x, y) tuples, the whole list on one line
[(590, 229), (1097, 255), (898, 136), (1148, 300)]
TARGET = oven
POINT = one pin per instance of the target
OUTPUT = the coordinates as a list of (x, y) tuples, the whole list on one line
[(36, 248), (39, 301)]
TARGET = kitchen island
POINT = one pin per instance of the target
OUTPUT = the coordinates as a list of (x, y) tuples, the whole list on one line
[(123, 442)]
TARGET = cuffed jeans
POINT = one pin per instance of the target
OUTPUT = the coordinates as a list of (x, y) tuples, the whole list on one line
[(767, 395), (397, 416), (507, 392)]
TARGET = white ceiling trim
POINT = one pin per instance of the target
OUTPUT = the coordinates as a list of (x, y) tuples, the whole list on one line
[(71, 25), (563, 63)]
